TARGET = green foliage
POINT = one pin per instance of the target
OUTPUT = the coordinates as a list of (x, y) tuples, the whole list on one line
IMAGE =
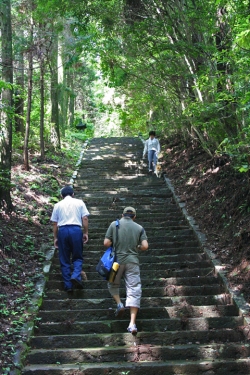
[(5, 85), (167, 69), (238, 149)]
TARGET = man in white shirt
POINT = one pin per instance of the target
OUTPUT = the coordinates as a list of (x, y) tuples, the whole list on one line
[(69, 216), (152, 147)]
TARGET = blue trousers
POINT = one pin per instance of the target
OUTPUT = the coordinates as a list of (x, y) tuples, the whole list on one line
[(152, 159), (70, 245)]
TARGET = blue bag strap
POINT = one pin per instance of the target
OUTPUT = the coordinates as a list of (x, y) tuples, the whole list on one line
[(117, 224)]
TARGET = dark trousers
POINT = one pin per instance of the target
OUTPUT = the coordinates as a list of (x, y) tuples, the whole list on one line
[(70, 244)]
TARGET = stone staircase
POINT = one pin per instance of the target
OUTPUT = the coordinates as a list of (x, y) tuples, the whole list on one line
[(187, 323)]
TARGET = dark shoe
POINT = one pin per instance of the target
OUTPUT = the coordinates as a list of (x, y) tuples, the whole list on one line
[(69, 290), (119, 312), (78, 284)]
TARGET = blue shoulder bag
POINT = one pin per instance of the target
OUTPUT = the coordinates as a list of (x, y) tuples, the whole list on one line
[(104, 265)]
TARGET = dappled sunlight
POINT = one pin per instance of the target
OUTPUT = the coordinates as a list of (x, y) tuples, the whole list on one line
[(97, 158), (241, 270), (191, 181), (124, 177)]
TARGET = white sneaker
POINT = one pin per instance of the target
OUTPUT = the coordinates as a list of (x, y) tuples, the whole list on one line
[(132, 329)]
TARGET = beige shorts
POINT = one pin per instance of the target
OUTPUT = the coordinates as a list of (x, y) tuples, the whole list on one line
[(130, 272)]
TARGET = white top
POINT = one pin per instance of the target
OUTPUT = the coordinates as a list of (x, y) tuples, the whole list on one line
[(69, 211), (151, 144)]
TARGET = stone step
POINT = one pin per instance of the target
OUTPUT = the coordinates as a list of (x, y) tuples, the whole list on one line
[(218, 367), (75, 301), (145, 217), (122, 187), (161, 207), (171, 265), (167, 291), (141, 353), (184, 239), (91, 274), (120, 184), (94, 280), (173, 246), (182, 259), (146, 338), (156, 205), (182, 276), (145, 313), (183, 233), (148, 325), (146, 283), (170, 248), (110, 213), (170, 225)]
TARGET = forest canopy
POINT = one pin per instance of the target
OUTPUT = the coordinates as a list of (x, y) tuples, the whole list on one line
[(123, 67)]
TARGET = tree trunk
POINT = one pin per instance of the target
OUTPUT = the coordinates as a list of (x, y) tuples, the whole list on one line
[(71, 100), (64, 103), (55, 136), (7, 103), (19, 101), (223, 44), (42, 108), (30, 84)]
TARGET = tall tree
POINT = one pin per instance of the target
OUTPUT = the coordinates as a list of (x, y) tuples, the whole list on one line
[(29, 99), (19, 93), (55, 131), (7, 100)]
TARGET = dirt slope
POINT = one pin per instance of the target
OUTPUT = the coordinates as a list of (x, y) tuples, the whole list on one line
[(217, 196)]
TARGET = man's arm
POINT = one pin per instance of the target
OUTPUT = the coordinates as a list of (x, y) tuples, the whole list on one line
[(55, 232), (145, 149), (107, 242), (85, 224), (159, 146), (143, 246)]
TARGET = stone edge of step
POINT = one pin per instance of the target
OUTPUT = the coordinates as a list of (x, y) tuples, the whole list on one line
[(34, 305)]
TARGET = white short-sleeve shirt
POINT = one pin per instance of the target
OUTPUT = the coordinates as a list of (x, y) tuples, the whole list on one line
[(69, 211)]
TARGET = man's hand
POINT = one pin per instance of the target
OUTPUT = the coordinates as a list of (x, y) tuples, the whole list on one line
[(85, 238), (55, 232), (143, 246), (85, 224)]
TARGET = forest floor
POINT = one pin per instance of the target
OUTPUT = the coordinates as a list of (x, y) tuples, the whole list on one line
[(25, 237), (215, 194)]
